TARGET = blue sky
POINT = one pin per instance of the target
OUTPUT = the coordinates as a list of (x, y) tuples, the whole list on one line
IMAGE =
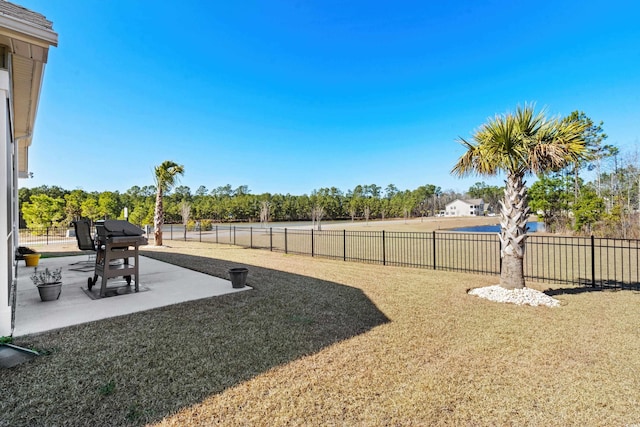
[(291, 96)]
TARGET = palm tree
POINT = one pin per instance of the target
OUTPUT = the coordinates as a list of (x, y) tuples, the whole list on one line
[(165, 176), (519, 144)]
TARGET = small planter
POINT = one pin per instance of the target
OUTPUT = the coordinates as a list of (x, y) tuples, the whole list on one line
[(238, 276), (50, 291), (31, 260), (48, 282)]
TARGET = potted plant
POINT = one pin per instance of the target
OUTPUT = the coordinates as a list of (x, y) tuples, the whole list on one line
[(49, 283), (29, 256)]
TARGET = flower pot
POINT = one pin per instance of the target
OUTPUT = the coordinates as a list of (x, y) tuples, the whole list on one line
[(50, 291), (31, 260), (238, 276)]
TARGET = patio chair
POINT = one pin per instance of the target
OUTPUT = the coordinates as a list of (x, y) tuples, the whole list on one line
[(84, 238)]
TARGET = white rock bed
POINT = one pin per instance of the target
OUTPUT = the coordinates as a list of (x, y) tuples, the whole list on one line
[(515, 296)]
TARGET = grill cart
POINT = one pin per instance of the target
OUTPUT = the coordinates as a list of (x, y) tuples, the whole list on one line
[(116, 252)]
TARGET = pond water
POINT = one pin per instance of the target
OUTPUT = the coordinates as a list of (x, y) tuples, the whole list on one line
[(533, 227)]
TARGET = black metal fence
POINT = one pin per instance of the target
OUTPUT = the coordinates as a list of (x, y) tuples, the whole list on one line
[(587, 261), (46, 236)]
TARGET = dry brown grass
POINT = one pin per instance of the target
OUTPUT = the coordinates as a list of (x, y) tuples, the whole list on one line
[(322, 342)]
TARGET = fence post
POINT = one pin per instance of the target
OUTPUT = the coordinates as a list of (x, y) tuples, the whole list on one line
[(200, 230), (344, 245), (271, 239), (384, 255), (250, 237), (47, 236), (217, 234), (435, 266), (593, 261), (500, 254), (285, 241), (234, 235), (312, 242)]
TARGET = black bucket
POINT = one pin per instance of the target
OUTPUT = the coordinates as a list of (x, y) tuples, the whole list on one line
[(238, 276)]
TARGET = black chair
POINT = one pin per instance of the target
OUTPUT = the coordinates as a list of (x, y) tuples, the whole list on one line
[(84, 238)]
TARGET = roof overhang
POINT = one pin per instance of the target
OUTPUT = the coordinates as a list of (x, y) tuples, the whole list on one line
[(27, 37), (21, 28)]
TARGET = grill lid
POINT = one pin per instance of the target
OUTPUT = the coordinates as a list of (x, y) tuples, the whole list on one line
[(117, 227)]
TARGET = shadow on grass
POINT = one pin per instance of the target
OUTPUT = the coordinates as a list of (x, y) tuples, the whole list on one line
[(139, 368), (608, 285), (571, 291)]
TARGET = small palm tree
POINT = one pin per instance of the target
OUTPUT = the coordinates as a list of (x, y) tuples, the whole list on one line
[(519, 144), (165, 176)]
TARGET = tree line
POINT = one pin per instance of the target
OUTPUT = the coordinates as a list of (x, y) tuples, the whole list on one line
[(47, 206), (608, 206)]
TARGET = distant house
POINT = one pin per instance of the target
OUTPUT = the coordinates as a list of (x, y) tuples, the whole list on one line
[(471, 207)]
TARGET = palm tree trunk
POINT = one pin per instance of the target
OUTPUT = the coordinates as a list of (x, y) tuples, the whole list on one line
[(158, 219), (514, 213)]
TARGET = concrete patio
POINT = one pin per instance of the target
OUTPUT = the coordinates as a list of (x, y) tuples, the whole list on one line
[(160, 284)]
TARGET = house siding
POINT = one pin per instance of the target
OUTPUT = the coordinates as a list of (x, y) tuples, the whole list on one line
[(460, 207)]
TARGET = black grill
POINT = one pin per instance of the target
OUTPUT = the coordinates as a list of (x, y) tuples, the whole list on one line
[(117, 253)]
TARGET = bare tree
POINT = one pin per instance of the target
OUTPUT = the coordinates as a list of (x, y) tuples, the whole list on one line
[(352, 212), (265, 211), (185, 211), (317, 212)]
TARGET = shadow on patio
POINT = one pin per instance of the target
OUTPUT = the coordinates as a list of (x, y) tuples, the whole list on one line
[(138, 368)]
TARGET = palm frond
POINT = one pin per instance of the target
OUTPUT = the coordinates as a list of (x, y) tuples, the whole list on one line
[(523, 142), (166, 174), (473, 161)]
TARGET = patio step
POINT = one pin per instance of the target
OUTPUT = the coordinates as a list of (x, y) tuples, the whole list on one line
[(11, 355)]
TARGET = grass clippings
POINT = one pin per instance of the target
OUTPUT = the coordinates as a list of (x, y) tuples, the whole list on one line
[(323, 342)]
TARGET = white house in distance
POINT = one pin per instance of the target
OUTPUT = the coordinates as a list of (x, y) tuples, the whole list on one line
[(471, 207), (25, 38)]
